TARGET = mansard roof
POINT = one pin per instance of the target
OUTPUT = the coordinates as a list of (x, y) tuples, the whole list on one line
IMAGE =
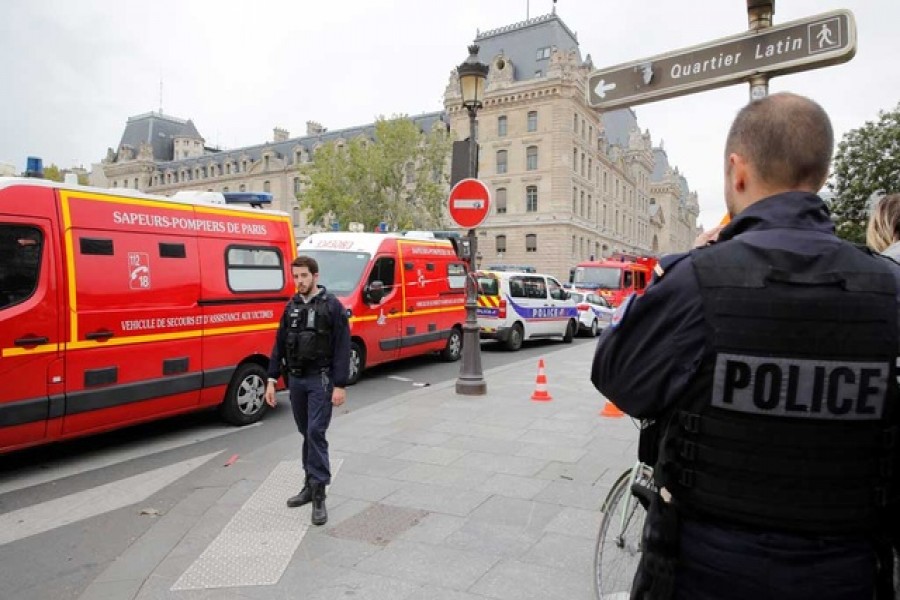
[(159, 131), (618, 125), (521, 41), (287, 148)]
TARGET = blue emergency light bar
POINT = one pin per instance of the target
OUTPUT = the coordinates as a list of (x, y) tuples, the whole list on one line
[(254, 199)]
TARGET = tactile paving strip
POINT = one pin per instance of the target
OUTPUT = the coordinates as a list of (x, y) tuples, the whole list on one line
[(257, 544)]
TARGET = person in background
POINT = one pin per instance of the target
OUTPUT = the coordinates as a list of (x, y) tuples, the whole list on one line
[(313, 345), (767, 361), (883, 231)]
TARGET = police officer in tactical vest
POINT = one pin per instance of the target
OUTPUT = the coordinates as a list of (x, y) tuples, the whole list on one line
[(767, 361), (312, 346)]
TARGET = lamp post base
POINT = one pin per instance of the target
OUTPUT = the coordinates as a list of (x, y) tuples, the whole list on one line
[(471, 381)]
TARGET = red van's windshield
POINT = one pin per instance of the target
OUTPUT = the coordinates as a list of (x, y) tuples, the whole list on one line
[(339, 272), (597, 277)]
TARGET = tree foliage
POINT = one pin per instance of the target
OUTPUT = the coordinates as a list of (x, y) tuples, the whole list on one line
[(53, 173), (867, 163), (398, 178)]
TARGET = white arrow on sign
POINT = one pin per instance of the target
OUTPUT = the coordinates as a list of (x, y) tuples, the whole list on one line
[(603, 87), (476, 204)]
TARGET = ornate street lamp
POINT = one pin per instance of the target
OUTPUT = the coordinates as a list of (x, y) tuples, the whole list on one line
[(472, 74)]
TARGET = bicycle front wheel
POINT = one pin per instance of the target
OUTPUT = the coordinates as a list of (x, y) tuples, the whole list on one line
[(619, 541)]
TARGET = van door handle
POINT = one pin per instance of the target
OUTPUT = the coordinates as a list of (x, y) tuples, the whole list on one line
[(103, 334), (31, 341)]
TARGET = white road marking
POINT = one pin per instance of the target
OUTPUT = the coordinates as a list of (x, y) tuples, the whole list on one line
[(257, 544), (90, 462), (52, 514), (398, 378)]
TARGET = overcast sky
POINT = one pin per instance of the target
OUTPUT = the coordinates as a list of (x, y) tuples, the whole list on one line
[(76, 70)]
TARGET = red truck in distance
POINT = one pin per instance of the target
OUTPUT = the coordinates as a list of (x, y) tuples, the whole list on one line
[(616, 277)]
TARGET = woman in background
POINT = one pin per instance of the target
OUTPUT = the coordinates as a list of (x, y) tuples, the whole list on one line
[(883, 232)]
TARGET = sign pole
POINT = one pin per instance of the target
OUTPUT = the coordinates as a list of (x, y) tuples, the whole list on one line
[(471, 379), (759, 17)]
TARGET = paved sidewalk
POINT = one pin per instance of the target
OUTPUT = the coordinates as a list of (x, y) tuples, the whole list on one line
[(435, 496)]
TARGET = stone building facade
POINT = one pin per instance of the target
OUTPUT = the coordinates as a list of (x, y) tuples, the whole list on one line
[(569, 184)]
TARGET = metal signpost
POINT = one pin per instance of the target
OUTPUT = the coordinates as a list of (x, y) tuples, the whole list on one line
[(804, 44), (468, 204)]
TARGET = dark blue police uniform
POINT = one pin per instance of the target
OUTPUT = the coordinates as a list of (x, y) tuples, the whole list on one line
[(311, 385), (768, 361)]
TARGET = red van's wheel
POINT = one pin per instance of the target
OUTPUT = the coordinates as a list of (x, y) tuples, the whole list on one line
[(357, 362), (244, 401), (453, 350)]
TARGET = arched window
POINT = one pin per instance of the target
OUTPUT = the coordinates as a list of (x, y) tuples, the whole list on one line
[(501, 201), (501, 161)]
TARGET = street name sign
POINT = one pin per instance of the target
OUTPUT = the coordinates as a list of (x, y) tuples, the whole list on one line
[(469, 203), (809, 43)]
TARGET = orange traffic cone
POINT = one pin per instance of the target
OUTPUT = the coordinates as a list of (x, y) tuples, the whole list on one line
[(540, 386), (611, 410)]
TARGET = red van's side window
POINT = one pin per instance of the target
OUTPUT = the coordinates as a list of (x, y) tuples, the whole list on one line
[(20, 262)]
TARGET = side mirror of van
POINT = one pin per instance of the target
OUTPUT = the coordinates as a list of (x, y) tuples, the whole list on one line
[(373, 293)]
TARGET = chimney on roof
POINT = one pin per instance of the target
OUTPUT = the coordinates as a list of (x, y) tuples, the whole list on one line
[(280, 135), (314, 128)]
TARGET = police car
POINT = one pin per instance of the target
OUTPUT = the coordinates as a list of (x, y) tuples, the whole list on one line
[(515, 306), (594, 312)]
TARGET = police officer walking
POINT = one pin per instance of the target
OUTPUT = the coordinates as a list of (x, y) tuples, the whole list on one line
[(767, 361), (313, 345)]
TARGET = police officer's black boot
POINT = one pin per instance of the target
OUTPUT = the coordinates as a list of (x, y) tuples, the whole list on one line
[(304, 497), (319, 513)]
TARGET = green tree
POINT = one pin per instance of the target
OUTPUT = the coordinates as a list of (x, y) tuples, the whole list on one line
[(867, 162), (53, 173), (398, 177)]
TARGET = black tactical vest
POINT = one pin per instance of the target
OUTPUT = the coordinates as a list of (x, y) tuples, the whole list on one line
[(791, 422), (308, 334)]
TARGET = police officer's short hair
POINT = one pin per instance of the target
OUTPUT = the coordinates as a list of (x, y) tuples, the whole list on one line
[(306, 261), (787, 138)]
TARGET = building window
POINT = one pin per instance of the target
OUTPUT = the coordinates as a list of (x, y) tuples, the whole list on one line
[(501, 126), (575, 123), (532, 120), (243, 188), (244, 165), (531, 242), (531, 198), (296, 185), (228, 168), (225, 190), (543, 53), (575, 159), (267, 187), (501, 243), (574, 199), (531, 158), (573, 245), (581, 212), (501, 201), (266, 163), (296, 216), (538, 73), (591, 169), (501, 161)]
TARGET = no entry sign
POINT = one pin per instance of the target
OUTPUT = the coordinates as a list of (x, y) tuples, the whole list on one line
[(469, 203)]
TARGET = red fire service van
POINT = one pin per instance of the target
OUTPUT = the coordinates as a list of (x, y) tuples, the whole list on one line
[(405, 294), (615, 278), (118, 307)]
